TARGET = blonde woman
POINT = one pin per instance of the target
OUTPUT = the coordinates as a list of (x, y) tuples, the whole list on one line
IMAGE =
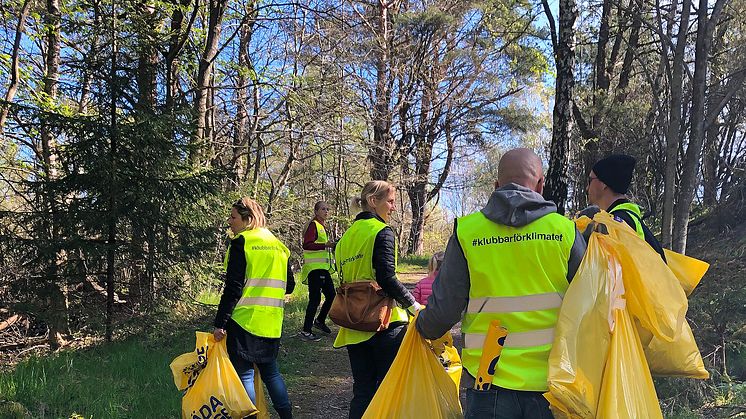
[(367, 251), (251, 308)]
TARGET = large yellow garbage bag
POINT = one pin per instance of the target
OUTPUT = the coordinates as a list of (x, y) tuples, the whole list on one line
[(210, 383), (654, 296), (647, 277), (417, 384), (681, 357), (688, 270), (627, 390), (583, 335), (627, 305)]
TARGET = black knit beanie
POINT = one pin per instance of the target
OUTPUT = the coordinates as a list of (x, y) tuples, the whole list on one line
[(615, 171)]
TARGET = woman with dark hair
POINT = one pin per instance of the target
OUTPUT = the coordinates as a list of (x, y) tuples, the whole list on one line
[(317, 264), (251, 308), (367, 252)]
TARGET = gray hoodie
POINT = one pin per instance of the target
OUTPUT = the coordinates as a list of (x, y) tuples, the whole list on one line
[(510, 205)]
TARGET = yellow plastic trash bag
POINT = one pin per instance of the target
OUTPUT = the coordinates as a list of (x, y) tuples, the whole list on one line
[(681, 357), (649, 282), (688, 270), (417, 385), (583, 335), (627, 390), (212, 387), (654, 296), (448, 356), (630, 308)]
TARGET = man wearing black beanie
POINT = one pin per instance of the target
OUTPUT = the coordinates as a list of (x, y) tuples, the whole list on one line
[(608, 184)]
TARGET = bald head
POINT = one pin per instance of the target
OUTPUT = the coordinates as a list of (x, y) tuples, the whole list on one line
[(523, 167)]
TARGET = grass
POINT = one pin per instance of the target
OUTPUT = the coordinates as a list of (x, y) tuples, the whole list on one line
[(413, 264), (129, 378)]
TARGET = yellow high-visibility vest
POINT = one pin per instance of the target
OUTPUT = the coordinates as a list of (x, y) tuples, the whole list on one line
[(518, 275), (260, 310), (634, 209), (317, 259), (354, 258)]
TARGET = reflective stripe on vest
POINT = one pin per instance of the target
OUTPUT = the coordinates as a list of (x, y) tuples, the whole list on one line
[(354, 258), (260, 309), (518, 275), (514, 340), (317, 259), (635, 210)]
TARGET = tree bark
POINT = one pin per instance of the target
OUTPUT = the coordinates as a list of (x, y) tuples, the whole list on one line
[(111, 241), (59, 324), (381, 150), (690, 169), (244, 79), (203, 132), (564, 55), (14, 73), (147, 60), (674, 125)]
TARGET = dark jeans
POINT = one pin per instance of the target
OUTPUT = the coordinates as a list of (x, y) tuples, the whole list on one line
[(501, 403), (271, 377), (318, 280), (370, 361)]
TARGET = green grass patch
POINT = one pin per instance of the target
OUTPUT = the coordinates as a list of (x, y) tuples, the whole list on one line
[(413, 264), (129, 378)]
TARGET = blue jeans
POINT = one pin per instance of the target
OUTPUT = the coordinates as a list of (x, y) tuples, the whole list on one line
[(271, 377), (502, 403)]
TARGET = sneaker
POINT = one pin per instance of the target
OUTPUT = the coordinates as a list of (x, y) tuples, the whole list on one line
[(321, 326), (309, 337)]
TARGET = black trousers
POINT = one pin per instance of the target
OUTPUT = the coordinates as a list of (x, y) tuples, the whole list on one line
[(370, 361), (318, 280)]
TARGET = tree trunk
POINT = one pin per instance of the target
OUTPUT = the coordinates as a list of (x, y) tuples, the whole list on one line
[(674, 126), (203, 132), (690, 169), (59, 304), (147, 60), (240, 139), (417, 199), (380, 151), (111, 241), (176, 42), (564, 53), (14, 73)]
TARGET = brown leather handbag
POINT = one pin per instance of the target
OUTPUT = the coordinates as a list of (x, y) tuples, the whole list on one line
[(362, 306)]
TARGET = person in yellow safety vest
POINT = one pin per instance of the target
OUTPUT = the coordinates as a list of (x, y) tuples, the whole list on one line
[(367, 251), (317, 264), (608, 183), (251, 308), (512, 262)]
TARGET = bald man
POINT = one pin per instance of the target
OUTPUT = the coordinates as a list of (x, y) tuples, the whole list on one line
[(511, 262)]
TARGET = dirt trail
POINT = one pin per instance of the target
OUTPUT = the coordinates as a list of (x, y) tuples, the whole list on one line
[(325, 390)]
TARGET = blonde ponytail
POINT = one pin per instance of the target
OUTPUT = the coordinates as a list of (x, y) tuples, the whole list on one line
[(378, 189)]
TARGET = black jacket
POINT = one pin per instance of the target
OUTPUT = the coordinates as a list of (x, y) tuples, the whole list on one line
[(239, 342)]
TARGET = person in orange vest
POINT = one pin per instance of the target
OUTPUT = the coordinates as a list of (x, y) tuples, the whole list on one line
[(510, 263), (317, 264), (251, 308), (608, 183)]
